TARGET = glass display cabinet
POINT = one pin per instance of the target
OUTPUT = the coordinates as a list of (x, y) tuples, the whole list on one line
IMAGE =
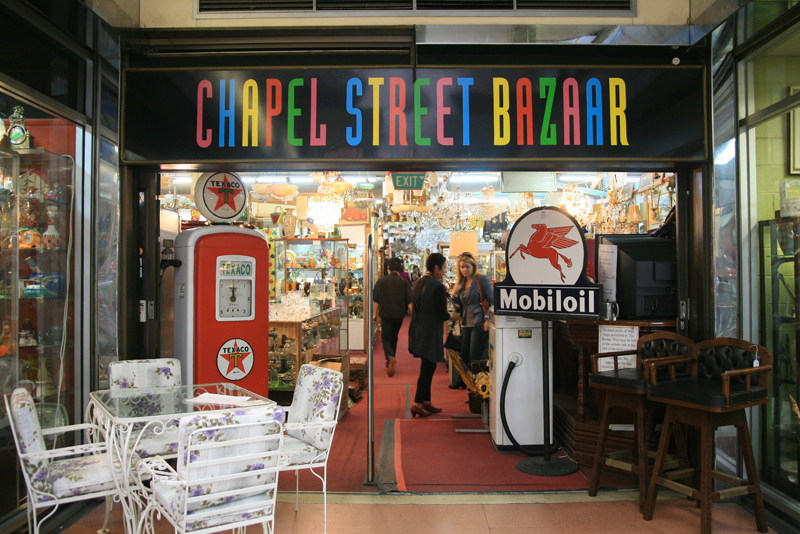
[(318, 267), (293, 343), (779, 288), (355, 293), (36, 287)]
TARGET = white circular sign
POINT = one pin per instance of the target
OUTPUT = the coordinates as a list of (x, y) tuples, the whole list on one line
[(220, 196), (545, 248), (235, 359)]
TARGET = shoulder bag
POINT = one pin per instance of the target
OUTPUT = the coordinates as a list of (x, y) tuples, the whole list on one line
[(484, 301)]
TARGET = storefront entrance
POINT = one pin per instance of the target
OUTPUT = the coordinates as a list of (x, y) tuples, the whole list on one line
[(609, 203)]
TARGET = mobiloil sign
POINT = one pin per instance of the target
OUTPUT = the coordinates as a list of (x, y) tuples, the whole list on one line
[(546, 259)]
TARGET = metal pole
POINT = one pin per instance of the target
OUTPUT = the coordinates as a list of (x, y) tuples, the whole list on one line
[(368, 319), (546, 386)]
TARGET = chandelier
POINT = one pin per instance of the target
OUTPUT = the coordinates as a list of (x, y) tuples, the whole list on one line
[(283, 192), (574, 203), (616, 216), (449, 211), (325, 207), (487, 208), (340, 186), (521, 207)]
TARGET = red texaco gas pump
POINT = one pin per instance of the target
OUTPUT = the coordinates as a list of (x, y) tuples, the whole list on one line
[(222, 292)]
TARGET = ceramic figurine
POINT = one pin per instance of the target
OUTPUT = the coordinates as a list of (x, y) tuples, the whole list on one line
[(51, 237)]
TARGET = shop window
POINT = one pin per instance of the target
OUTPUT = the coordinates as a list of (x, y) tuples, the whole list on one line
[(41, 65)]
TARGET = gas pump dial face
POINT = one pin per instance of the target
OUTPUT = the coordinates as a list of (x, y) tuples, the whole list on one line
[(235, 298), (235, 288)]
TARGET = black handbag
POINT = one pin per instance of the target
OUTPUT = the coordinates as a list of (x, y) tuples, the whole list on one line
[(453, 342)]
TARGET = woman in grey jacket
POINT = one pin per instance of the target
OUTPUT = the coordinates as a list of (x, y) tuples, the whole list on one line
[(467, 299), (428, 314)]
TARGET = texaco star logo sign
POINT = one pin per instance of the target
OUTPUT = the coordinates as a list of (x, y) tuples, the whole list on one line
[(235, 359), (220, 196)]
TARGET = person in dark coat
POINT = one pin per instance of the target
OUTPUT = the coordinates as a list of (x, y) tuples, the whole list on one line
[(392, 296), (425, 333)]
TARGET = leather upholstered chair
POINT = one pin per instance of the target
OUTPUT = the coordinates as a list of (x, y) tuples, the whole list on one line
[(627, 388), (727, 376)]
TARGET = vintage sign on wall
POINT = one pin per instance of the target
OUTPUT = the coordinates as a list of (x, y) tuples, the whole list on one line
[(487, 114), (546, 261)]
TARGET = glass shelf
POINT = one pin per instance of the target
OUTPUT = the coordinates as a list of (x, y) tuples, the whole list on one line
[(319, 268)]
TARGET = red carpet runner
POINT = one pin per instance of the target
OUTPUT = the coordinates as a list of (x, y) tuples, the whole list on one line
[(430, 457)]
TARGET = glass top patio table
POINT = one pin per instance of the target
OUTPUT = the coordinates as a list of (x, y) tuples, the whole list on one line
[(140, 405)]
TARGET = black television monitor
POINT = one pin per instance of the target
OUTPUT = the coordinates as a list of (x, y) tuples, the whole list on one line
[(646, 275)]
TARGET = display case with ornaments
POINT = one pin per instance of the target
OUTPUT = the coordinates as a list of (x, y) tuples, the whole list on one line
[(36, 266)]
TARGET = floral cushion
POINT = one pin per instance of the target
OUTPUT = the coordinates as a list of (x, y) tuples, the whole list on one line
[(221, 514), (315, 400), (60, 478), (151, 444), (28, 433), (224, 458), (298, 452), (160, 372), (26, 421), (133, 403), (78, 476)]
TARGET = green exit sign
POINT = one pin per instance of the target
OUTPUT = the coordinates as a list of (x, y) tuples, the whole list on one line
[(408, 180)]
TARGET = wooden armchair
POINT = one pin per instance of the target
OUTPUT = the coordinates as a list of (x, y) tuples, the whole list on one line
[(627, 388), (727, 376)]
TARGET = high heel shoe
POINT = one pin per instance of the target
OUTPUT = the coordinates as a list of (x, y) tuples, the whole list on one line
[(417, 411), (430, 407)]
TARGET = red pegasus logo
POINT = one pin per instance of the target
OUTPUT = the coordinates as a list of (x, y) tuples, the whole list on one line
[(544, 242)]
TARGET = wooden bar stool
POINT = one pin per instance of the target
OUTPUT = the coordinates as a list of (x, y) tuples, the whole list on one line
[(627, 388), (728, 375)]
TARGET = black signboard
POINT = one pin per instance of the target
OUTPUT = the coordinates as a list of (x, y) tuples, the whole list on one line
[(482, 114)]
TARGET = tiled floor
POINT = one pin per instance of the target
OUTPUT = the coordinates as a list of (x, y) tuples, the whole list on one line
[(541, 513)]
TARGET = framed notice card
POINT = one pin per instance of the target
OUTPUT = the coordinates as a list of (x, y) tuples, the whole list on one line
[(615, 339)]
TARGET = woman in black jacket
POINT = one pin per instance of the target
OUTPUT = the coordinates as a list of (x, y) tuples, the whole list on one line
[(428, 314)]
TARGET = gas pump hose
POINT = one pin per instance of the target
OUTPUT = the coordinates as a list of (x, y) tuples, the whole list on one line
[(530, 452)]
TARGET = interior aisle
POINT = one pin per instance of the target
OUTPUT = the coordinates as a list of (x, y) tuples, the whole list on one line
[(426, 455)]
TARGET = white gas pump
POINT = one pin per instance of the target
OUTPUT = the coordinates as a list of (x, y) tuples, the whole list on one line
[(518, 339)]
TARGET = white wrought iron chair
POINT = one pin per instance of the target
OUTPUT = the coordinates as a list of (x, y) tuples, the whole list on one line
[(155, 373), (56, 476), (311, 422), (226, 476)]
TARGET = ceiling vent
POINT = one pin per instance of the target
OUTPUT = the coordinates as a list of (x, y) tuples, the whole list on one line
[(461, 6)]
